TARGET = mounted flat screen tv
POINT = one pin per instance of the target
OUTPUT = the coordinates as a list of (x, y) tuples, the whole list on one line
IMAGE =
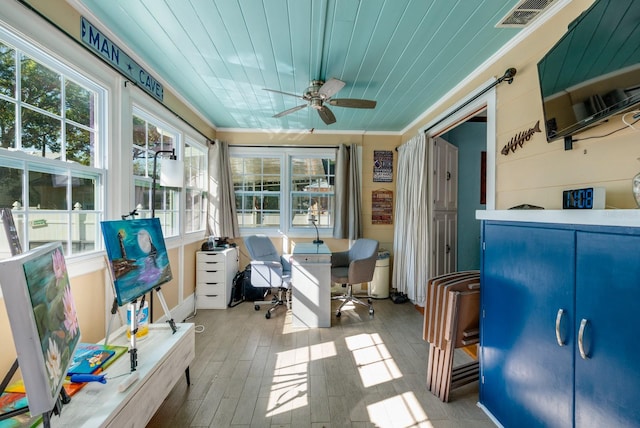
[(593, 72), (137, 255)]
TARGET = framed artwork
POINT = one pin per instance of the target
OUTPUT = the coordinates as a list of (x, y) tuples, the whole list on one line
[(383, 166), (382, 206), (43, 319), (137, 256)]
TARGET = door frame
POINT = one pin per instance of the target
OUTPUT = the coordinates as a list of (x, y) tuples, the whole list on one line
[(455, 115)]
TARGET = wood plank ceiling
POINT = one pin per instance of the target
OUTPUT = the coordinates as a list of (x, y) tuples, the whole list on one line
[(221, 54)]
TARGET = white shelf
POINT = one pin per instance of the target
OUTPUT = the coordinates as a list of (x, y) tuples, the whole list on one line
[(163, 358), (629, 218)]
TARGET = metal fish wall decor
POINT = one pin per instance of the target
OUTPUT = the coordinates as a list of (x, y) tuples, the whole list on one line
[(519, 139)]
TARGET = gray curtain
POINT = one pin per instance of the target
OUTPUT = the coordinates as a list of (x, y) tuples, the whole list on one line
[(221, 213), (411, 230), (348, 215)]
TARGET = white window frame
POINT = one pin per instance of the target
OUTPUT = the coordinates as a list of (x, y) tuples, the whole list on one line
[(28, 162), (285, 154), (179, 197), (203, 185)]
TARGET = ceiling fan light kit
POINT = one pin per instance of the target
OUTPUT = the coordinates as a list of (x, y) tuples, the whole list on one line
[(319, 93)]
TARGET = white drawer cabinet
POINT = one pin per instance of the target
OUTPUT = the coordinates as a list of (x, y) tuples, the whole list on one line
[(214, 277)]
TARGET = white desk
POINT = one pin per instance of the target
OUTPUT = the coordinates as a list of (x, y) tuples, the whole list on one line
[(311, 283), (163, 358)]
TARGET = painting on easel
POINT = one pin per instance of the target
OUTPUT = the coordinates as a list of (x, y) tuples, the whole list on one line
[(137, 255)]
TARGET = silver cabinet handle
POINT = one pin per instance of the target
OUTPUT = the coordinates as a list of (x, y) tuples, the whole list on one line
[(558, 320), (583, 326)]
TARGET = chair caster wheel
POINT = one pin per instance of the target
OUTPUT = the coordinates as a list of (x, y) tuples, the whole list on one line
[(371, 312), (338, 313), (256, 307), (267, 315)]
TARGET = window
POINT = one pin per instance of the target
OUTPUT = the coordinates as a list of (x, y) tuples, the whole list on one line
[(150, 136), (51, 165), (195, 172), (283, 189)]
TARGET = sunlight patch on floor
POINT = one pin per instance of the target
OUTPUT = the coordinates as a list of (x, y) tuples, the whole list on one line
[(402, 410), (290, 388), (375, 364)]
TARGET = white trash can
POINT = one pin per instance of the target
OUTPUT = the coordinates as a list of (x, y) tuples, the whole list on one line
[(379, 287)]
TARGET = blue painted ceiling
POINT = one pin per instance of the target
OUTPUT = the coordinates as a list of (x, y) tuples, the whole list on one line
[(221, 54)]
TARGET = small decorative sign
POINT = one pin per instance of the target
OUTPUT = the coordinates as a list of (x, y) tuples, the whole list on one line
[(104, 47), (519, 139), (383, 166), (382, 206)]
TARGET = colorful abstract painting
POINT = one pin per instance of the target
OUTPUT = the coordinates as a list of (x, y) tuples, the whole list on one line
[(137, 255)]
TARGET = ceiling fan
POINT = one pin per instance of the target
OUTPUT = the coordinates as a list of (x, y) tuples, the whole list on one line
[(318, 94)]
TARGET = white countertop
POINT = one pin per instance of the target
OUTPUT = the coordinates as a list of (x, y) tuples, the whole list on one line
[(629, 218)]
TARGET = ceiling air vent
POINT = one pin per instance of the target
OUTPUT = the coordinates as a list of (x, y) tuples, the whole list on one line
[(523, 13)]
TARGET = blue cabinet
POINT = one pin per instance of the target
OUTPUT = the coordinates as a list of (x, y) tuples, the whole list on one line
[(607, 358), (539, 282)]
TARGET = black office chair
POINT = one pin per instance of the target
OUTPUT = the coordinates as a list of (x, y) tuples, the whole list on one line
[(269, 270), (354, 266)]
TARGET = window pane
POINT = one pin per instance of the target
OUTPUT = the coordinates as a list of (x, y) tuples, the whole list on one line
[(47, 227), (79, 104), (139, 132), (83, 232), (7, 71), (7, 124), (83, 193), (41, 134), (153, 137), (47, 191), (40, 86), (140, 162), (142, 195), (11, 188), (195, 212), (312, 191), (79, 145)]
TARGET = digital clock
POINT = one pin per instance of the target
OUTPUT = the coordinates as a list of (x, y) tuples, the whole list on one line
[(583, 199)]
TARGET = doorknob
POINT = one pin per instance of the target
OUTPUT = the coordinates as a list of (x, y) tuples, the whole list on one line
[(448, 176)]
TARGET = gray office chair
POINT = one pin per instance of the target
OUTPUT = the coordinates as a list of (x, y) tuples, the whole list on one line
[(269, 270), (354, 266)]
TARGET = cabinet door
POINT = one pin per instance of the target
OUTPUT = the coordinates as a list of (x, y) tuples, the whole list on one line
[(445, 175), (608, 297), (528, 275), (444, 242)]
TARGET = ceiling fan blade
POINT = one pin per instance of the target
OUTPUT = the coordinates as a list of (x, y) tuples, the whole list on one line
[(326, 115), (353, 103), (283, 93), (291, 110), (330, 87)]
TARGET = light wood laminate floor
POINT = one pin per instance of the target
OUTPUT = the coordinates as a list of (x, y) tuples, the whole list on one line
[(362, 372)]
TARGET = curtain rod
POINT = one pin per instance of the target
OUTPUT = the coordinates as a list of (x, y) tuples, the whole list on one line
[(508, 76), (63, 31), (279, 147)]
